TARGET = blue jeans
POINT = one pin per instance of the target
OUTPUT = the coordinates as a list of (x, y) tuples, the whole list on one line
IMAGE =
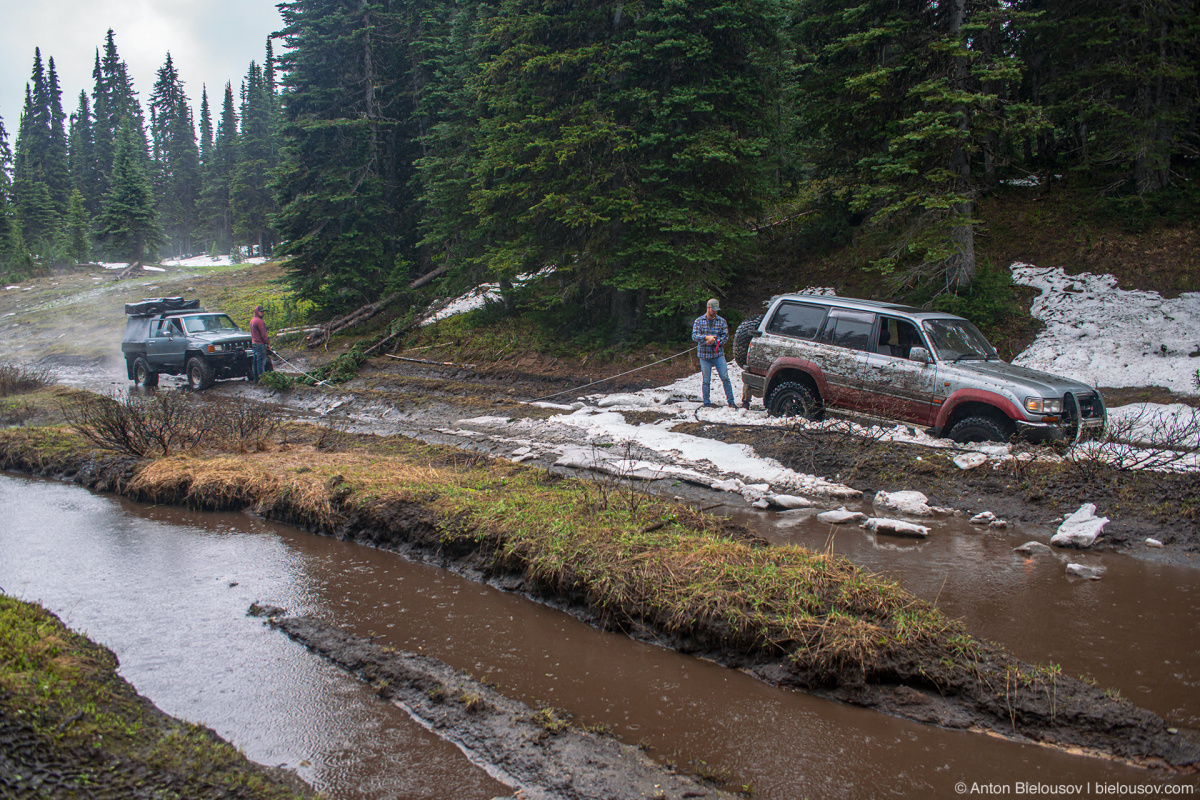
[(260, 360), (706, 365)]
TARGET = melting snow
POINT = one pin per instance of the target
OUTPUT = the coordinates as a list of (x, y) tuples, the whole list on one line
[(1103, 335)]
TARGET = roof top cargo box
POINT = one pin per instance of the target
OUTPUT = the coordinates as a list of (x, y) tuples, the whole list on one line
[(160, 305)]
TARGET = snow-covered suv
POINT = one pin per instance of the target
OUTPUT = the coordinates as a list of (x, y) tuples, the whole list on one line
[(932, 369), (175, 336)]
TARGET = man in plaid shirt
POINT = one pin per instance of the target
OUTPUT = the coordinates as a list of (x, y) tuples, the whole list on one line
[(710, 332)]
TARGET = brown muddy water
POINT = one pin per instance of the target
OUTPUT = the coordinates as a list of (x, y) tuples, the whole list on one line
[(168, 589)]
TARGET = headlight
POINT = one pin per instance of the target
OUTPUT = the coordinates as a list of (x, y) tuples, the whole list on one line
[(1043, 405)]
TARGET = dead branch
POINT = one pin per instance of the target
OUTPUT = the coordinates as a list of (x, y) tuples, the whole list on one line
[(360, 315), (427, 361)]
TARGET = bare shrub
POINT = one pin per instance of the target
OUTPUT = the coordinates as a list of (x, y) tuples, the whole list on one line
[(243, 425), (139, 425), (20, 379), (806, 440), (1147, 440), (166, 422), (332, 435)]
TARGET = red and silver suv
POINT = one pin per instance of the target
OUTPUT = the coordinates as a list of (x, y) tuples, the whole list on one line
[(810, 352)]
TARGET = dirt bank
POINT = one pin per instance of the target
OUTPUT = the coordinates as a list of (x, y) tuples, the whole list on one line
[(851, 638), (70, 727), (536, 751)]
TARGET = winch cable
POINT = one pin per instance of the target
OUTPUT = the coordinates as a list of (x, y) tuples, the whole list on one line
[(613, 377), (302, 372)]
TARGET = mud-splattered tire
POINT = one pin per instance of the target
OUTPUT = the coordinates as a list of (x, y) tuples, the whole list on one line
[(791, 399), (199, 374), (143, 375), (982, 429), (741, 339)]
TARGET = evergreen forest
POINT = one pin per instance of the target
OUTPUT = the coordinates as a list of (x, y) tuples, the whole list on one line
[(609, 165)]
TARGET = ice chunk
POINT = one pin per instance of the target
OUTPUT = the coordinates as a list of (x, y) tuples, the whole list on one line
[(912, 503), (840, 516), (970, 460), (895, 527), (1080, 529), (1083, 571)]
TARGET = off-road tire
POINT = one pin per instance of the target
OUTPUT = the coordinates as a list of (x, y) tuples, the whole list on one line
[(199, 374), (741, 339), (143, 375), (791, 399), (981, 429)]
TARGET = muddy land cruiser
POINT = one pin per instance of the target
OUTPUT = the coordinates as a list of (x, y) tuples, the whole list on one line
[(932, 369), (176, 336)]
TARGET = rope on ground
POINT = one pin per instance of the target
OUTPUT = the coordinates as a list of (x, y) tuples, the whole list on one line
[(612, 377)]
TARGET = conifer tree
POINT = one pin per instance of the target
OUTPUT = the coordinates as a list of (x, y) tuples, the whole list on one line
[(176, 160), (41, 178), (899, 101), (216, 216), (344, 190), (128, 226), (14, 255), (76, 230), (252, 198), (81, 156)]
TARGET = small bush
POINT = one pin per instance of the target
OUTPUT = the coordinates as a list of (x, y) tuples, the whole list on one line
[(16, 379), (277, 381)]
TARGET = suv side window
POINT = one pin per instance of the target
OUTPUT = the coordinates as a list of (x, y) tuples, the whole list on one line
[(849, 329), (161, 328), (794, 319), (897, 337)]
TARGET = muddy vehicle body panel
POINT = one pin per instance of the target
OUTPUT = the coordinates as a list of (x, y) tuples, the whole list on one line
[(892, 361), (176, 337)]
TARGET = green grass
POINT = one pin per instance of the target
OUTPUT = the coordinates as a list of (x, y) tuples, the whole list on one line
[(66, 689)]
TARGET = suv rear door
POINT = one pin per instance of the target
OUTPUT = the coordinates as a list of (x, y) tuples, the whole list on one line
[(842, 357)]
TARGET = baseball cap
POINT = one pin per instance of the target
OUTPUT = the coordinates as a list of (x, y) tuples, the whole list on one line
[(714, 304)]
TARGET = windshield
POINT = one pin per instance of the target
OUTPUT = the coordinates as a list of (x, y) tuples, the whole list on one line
[(957, 339), (209, 322)]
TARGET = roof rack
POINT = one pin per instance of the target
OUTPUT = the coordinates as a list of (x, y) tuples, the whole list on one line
[(160, 305)]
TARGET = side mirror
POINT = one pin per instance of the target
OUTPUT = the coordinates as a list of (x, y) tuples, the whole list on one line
[(920, 354)]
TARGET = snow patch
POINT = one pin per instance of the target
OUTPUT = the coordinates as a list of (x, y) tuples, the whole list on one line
[(1098, 333)]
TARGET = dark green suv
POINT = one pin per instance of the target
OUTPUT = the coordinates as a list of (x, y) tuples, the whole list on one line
[(175, 336)]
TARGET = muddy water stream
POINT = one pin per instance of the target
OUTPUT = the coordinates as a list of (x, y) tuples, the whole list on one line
[(168, 589)]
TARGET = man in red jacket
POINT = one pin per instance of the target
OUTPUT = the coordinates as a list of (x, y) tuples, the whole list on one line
[(259, 343)]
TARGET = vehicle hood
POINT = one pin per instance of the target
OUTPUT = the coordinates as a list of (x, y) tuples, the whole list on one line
[(1044, 384), (212, 337)]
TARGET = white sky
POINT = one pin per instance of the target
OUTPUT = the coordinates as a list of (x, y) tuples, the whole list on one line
[(210, 41)]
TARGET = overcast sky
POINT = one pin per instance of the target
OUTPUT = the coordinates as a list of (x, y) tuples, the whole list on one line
[(210, 41)]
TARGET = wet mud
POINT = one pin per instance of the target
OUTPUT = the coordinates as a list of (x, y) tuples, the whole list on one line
[(991, 691)]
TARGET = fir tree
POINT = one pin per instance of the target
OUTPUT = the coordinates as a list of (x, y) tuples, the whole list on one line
[(346, 201), (216, 216), (81, 156), (252, 199), (77, 225), (176, 160), (128, 223)]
